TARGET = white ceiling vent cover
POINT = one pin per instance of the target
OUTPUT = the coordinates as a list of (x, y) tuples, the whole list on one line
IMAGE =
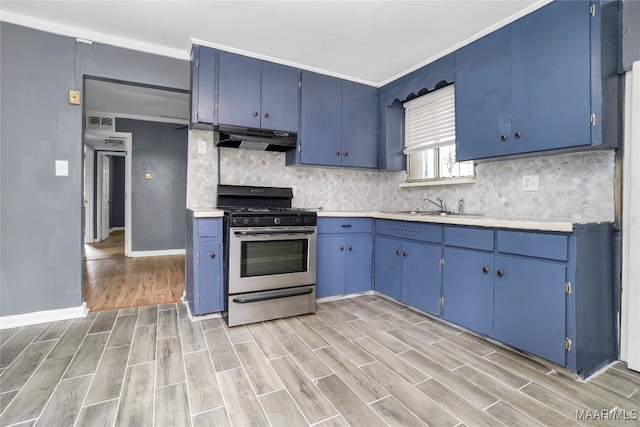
[(101, 123)]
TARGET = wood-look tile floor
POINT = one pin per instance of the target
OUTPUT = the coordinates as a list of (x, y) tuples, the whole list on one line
[(361, 361), (113, 281)]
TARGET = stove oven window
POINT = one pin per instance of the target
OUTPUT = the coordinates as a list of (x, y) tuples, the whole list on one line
[(265, 258)]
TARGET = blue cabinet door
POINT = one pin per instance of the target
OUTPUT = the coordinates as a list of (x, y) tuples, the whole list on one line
[(320, 120), (203, 74), (421, 276), (208, 289), (388, 266), (483, 97), (280, 97), (238, 90), (550, 66), (359, 125), (358, 263), (467, 289), (330, 266), (529, 306)]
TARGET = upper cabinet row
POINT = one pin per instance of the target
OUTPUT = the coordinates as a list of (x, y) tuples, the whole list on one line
[(547, 81), (336, 120)]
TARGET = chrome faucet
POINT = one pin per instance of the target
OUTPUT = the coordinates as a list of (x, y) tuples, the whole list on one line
[(460, 205), (442, 205)]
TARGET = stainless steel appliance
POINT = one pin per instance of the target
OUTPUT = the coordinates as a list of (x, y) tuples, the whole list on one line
[(270, 254)]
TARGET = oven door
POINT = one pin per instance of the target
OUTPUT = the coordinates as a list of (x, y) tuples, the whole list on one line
[(271, 258)]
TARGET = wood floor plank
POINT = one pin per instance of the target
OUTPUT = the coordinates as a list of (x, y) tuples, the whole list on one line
[(6, 398), (308, 335), (221, 350), (260, 373), (32, 398), (6, 334), (350, 406), (267, 342), (213, 323), (143, 346), (147, 315), (136, 403), (168, 323), (423, 407), (99, 415), (170, 363), (313, 321), (380, 336), (368, 390), (69, 343), (238, 334), (391, 360), (313, 404), (104, 321), (86, 360), (242, 404), (336, 421), (109, 376), (340, 325), (368, 307), (202, 383), (278, 327), (616, 380), (17, 374), (433, 353), (65, 403), (172, 406), (17, 343), (345, 346), (395, 413), (510, 416), (192, 336), (122, 333), (217, 417), (282, 410), (307, 359), (53, 331)]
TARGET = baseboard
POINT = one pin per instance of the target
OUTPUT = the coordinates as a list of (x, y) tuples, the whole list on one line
[(111, 230), (46, 316), (164, 252)]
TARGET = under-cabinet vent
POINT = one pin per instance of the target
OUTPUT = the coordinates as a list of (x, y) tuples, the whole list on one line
[(101, 123)]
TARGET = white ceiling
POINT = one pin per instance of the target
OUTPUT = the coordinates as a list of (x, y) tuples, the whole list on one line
[(372, 42)]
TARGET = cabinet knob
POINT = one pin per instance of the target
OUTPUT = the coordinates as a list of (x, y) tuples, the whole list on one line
[(346, 153), (349, 248), (342, 248), (397, 252), (503, 137), (404, 253), (485, 269), (212, 255), (518, 134), (266, 115), (255, 114), (337, 153), (500, 273)]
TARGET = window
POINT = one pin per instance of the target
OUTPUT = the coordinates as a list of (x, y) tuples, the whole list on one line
[(430, 138)]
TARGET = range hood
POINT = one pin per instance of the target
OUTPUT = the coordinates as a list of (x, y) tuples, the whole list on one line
[(256, 139)]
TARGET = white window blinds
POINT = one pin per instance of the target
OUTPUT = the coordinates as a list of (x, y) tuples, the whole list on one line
[(430, 120)]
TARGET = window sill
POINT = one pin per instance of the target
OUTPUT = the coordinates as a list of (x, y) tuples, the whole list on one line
[(449, 181)]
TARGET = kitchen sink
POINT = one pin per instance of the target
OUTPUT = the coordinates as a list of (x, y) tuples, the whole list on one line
[(434, 213)]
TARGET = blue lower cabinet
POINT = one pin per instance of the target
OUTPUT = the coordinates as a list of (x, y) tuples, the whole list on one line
[(345, 256), (204, 268), (529, 306), (388, 266), (421, 276), (467, 287)]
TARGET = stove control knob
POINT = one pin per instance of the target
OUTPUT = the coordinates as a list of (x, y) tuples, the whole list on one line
[(245, 221), (277, 221)]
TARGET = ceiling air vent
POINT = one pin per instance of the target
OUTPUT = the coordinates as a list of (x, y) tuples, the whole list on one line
[(101, 123)]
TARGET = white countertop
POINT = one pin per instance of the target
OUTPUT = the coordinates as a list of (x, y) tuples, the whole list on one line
[(558, 225), (207, 212)]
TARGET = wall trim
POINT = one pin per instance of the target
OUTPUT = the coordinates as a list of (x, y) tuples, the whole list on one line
[(164, 252), (45, 316), (112, 229)]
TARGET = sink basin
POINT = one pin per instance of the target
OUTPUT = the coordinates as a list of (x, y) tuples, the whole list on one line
[(435, 213)]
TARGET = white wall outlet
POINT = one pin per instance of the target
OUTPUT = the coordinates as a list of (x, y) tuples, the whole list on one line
[(62, 168), (530, 182), (202, 147)]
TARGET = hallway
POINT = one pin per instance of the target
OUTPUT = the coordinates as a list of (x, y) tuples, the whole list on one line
[(113, 281)]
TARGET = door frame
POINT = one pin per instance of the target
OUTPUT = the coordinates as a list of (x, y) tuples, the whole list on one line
[(103, 158), (88, 192)]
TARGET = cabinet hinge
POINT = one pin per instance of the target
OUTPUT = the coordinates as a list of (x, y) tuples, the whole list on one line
[(567, 344), (197, 62), (592, 10), (196, 116), (198, 258), (299, 148), (441, 301), (567, 288), (441, 261), (299, 84), (217, 68), (592, 119), (198, 298)]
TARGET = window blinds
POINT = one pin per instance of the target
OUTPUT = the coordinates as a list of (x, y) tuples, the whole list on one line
[(430, 121)]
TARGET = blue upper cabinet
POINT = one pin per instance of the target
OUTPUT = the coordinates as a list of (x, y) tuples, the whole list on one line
[(257, 94), (542, 83), (338, 123), (203, 74)]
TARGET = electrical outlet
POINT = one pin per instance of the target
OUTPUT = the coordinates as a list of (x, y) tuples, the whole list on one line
[(202, 147), (530, 182), (74, 97), (62, 168)]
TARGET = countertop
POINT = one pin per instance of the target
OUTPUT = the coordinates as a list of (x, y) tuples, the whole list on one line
[(520, 223)]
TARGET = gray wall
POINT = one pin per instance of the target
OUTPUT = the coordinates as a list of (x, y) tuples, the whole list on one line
[(157, 205), (630, 33), (41, 219)]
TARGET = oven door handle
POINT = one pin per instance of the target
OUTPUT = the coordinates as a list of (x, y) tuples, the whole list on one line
[(286, 293), (272, 232)]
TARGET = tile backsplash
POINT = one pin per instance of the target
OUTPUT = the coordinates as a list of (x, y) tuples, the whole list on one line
[(577, 186)]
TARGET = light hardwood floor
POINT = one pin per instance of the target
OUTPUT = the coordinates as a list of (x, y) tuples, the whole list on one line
[(113, 281), (363, 361)]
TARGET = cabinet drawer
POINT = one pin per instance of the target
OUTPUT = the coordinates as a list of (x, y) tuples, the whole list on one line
[(472, 238), (208, 227), (344, 225), (540, 245), (410, 230)]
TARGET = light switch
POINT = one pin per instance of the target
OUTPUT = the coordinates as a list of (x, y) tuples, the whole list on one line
[(202, 147), (530, 182), (62, 168)]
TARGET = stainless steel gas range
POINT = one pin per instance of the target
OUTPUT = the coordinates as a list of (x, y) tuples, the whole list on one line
[(270, 254)]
